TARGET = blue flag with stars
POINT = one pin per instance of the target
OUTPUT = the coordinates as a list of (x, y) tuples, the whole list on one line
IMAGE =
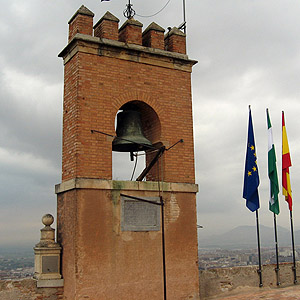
[(251, 178)]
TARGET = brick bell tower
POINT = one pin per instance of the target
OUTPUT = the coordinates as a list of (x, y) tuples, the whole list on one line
[(115, 245)]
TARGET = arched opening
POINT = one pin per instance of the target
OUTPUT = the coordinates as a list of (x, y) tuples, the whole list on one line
[(123, 167)]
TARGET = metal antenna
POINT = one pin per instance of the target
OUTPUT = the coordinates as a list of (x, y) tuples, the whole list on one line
[(182, 26), (129, 12), (184, 19)]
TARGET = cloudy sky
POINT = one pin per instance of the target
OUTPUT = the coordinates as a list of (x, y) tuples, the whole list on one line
[(248, 53)]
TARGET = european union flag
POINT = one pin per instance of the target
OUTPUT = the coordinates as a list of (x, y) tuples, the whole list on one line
[(251, 178)]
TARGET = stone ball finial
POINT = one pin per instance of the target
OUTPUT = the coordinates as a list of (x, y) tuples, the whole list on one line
[(47, 220)]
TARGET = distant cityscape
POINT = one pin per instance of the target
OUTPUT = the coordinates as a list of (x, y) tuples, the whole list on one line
[(16, 265), (222, 258)]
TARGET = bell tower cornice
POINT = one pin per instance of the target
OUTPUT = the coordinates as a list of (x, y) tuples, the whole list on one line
[(121, 50)]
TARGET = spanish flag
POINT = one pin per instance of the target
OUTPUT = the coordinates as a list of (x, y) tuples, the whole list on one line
[(286, 164)]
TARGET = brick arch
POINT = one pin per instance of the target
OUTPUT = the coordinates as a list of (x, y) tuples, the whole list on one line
[(150, 120), (139, 96)]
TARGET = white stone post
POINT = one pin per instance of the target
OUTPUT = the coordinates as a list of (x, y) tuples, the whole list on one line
[(47, 257)]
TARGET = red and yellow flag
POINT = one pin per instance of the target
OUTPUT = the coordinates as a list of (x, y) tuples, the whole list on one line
[(286, 164)]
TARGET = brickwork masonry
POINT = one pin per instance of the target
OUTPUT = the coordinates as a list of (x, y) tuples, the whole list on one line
[(107, 67), (26, 289)]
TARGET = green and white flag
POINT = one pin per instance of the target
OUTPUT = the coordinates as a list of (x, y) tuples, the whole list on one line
[(274, 187)]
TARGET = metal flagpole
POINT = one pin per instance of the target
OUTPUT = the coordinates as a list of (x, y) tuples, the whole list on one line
[(274, 188), (251, 183), (293, 247), (286, 186), (259, 271), (276, 246)]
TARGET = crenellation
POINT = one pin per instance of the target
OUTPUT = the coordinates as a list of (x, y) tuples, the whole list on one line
[(175, 41), (81, 22), (131, 32), (153, 36), (107, 27)]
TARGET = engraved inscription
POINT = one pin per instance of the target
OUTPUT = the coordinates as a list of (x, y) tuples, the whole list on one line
[(140, 216), (50, 264)]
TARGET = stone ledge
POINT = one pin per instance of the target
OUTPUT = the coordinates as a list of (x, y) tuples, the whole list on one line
[(49, 283), (90, 183)]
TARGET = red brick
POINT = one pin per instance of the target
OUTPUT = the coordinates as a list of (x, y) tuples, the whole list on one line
[(107, 27), (175, 41), (81, 22), (131, 32), (153, 36)]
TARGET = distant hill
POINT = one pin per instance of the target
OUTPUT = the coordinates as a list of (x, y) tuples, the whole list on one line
[(18, 250), (243, 237)]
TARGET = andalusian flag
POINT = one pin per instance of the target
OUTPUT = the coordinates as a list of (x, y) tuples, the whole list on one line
[(286, 164), (274, 186), (251, 178)]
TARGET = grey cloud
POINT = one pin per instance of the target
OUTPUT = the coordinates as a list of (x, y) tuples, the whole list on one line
[(248, 53)]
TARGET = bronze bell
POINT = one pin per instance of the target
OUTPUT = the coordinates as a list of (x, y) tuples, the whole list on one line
[(130, 136)]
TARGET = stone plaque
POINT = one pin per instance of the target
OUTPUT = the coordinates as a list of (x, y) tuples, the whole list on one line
[(140, 216), (50, 264)]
